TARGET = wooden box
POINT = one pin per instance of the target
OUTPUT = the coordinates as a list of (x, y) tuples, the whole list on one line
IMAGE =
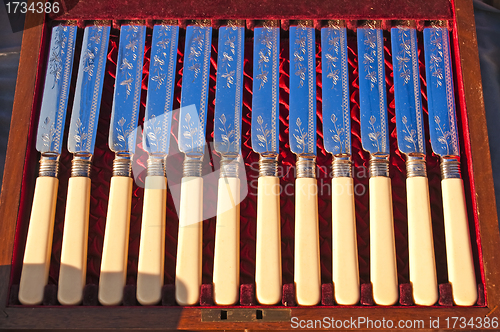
[(21, 170)]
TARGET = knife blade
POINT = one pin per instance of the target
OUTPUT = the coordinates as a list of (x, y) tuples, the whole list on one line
[(302, 124), (337, 140), (36, 262), (124, 115), (192, 119), (444, 141), (265, 134), (81, 140), (375, 140), (227, 141), (156, 138), (411, 142)]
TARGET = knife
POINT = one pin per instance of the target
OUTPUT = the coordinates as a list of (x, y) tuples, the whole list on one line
[(411, 142), (337, 139), (227, 139), (124, 115), (444, 142), (265, 141), (375, 140), (36, 262), (81, 141), (192, 119), (302, 125), (156, 139)]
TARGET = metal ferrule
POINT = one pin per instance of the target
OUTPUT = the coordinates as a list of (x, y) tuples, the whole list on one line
[(229, 166), (49, 164), (122, 164), (450, 167), (415, 165), (342, 166), (156, 166), (268, 165), (81, 165), (192, 165), (379, 165), (306, 166)]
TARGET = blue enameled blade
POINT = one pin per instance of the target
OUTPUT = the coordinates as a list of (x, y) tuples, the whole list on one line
[(409, 117), (372, 94), (302, 119), (56, 89), (335, 79), (229, 90), (127, 96), (88, 91), (158, 116), (440, 96), (194, 93), (265, 100)]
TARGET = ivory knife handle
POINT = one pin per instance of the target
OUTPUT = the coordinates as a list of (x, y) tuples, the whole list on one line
[(268, 254), (36, 263), (227, 243), (72, 275), (188, 271), (458, 247), (152, 245), (307, 270), (116, 237), (383, 270), (420, 243), (345, 248)]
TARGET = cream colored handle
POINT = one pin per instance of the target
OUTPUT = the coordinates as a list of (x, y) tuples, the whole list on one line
[(307, 270), (227, 243), (420, 243), (458, 247), (116, 237), (152, 245), (36, 263), (189, 245), (73, 272), (268, 254), (384, 276), (345, 249)]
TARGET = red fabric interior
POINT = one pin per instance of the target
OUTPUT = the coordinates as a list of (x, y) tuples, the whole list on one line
[(102, 171)]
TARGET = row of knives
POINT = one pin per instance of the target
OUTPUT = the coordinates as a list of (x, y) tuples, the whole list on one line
[(227, 138)]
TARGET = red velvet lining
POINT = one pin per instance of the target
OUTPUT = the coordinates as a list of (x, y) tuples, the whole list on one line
[(101, 175)]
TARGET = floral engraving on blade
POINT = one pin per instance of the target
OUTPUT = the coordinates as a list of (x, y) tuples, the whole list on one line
[(195, 50), (159, 60), (89, 55), (436, 57), (227, 134), (80, 136), (265, 55), (227, 68), (153, 131), (122, 135), (57, 54), (299, 54), (370, 56), (410, 134), (264, 135), (48, 135), (332, 58), (444, 136), (129, 57), (404, 56), (300, 136), (190, 131), (339, 136), (375, 135)]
